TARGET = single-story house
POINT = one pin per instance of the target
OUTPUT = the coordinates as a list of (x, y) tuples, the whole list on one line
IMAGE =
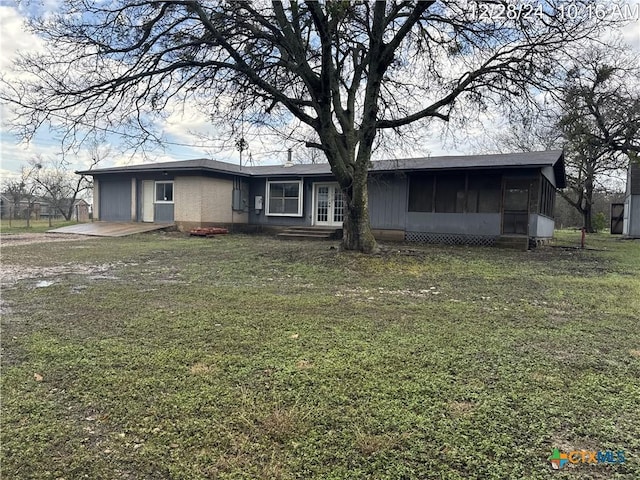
[(631, 213), (455, 199), (21, 206), (40, 207)]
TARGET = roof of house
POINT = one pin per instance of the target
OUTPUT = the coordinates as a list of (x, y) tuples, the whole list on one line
[(550, 158)]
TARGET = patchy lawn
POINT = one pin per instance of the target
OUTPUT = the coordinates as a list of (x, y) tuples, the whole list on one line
[(161, 356), (17, 226)]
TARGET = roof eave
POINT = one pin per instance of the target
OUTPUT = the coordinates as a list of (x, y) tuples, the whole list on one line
[(117, 170)]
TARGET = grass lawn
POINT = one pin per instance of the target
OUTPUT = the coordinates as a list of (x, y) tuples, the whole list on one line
[(161, 356), (35, 226)]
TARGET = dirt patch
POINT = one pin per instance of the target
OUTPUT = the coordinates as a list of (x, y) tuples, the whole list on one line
[(46, 276), (30, 238)]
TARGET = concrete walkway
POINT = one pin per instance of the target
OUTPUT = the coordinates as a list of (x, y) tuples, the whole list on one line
[(110, 229)]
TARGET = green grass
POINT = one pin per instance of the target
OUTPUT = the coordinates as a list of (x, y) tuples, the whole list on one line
[(35, 226), (160, 356)]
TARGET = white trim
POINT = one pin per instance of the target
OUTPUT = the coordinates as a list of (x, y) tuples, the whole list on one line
[(314, 206), (267, 204), (148, 189), (95, 210), (134, 203), (155, 191)]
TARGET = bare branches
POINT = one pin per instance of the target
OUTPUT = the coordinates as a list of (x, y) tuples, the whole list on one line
[(604, 94), (129, 59)]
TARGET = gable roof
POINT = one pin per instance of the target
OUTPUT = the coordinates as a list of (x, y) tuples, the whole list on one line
[(550, 158)]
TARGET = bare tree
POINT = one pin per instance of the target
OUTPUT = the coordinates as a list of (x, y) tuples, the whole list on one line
[(16, 190), (23, 189), (345, 70), (600, 122), (594, 114), (588, 170), (602, 102), (60, 186), (526, 129)]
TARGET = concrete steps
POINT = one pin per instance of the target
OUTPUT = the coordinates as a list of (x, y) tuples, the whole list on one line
[(515, 242), (311, 233)]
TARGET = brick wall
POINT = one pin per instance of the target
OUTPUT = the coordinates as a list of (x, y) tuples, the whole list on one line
[(203, 201)]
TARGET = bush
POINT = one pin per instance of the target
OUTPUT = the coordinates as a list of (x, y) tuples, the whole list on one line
[(599, 222)]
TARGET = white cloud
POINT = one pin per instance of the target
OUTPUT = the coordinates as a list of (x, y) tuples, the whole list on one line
[(14, 37), (631, 33)]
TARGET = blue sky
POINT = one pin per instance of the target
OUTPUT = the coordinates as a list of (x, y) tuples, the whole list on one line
[(183, 127)]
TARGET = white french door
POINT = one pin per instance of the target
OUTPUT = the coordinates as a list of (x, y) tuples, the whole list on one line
[(148, 196), (329, 205)]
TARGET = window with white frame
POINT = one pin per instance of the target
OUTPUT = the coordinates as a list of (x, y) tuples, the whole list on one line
[(164, 192), (284, 198)]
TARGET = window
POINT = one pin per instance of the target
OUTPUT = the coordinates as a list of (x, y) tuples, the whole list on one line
[(450, 193), (421, 193), (164, 192), (516, 199), (483, 194), (284, 198), (547, 198)]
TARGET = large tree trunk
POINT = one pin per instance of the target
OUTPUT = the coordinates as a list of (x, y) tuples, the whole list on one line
[(356, 227), (587, 218), (587, 210), (67, 213)]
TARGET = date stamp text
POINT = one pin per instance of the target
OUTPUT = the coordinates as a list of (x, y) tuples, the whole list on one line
[(572, 10)]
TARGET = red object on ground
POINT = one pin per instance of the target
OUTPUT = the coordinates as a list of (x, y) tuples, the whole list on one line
[(208, 231)]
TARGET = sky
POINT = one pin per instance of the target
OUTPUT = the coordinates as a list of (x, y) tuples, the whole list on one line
[(183, 128)]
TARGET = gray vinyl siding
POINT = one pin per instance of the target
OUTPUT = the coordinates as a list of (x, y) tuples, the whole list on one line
[(257, 187), (541, 226), (634, 201), (388, 201), (163, 213), (634, 179), (115, 199), (549, 174), (634, 216), (631, 226)]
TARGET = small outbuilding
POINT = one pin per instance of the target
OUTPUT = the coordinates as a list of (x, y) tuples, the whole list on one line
[(631, 215)]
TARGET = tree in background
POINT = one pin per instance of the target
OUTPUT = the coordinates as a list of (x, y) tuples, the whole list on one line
[(51, 182), (60, 187), (346, 71), (594, 115), (23, 189), (602, 103), (600, 123), (566, 215), (16, 190)]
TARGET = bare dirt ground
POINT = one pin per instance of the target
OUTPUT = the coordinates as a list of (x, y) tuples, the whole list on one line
[(29, 238), (10, 273)]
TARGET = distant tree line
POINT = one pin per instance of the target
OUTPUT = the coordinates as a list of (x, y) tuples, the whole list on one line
[(49, 183), (567, 216)]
